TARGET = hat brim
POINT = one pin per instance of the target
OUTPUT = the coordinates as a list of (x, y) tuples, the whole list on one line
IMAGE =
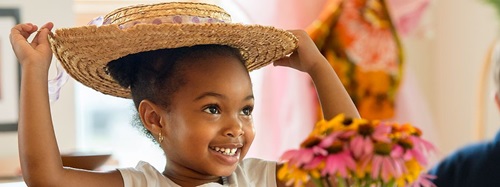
[(85, 51)]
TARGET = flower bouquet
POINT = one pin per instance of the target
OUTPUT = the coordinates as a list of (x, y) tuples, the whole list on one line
[(359, 152)]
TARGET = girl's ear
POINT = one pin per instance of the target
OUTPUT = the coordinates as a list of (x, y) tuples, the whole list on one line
[(151, 118)]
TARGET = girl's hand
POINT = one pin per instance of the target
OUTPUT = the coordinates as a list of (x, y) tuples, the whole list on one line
[(37, 52), (306, 57)]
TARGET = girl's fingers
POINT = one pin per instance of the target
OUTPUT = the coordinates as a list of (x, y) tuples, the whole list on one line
[(48, 25), (21, 32), (39, 46), (27, 29), (42, 35)]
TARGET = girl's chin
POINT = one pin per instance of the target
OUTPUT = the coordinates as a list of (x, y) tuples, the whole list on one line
[(224, 172)]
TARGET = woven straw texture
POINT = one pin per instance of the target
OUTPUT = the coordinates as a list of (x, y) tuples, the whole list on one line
[(85, 51), (133, 13)]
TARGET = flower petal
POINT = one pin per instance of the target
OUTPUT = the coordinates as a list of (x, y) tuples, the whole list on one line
[(376, 163)]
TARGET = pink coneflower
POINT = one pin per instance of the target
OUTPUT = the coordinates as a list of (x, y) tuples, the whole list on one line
[(339, 158), (386, 167), (424, 147), (414, 148), (363, 143), (340, 162), (415, 154), (309, 149), (386, 162), (365, 152), (381, 133), (299, 157)]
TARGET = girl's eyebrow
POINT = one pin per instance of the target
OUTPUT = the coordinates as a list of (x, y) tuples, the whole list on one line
[(218, 95), (210, 94), (250, 97)]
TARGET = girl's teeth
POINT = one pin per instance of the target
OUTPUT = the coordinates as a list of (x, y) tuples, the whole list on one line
[(226, 151)]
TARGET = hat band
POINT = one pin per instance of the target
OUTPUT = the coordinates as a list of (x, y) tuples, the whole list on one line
[(177, 19)]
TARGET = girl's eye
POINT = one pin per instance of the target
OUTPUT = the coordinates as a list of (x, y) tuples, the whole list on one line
[(247, 111), (212, 109)]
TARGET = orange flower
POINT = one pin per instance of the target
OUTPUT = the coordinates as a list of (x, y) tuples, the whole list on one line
[(373, 94)]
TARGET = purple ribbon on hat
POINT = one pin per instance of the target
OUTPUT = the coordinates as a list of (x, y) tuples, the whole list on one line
[(57, 83), (177, 19), (98, 21)]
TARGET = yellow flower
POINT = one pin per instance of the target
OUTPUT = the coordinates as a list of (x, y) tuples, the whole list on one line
[(414, 170), (324, 127), (316, 172), (347, 124), (405, 130), (293, 175), (361, 171), (321, 128)]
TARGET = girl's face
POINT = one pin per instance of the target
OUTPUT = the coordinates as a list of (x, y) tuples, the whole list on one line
[(209, 128)]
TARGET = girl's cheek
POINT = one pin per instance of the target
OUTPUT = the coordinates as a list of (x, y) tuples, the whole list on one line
[(250, 129)]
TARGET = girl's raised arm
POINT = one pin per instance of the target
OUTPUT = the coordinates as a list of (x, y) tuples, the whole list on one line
[(39, 154), (333, 97)]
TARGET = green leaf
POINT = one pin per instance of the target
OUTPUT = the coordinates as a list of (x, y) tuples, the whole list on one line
[(341, 182), (317, 182), (495, 4)]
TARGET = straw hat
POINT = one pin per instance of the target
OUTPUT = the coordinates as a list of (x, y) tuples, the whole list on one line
[(85, 51)]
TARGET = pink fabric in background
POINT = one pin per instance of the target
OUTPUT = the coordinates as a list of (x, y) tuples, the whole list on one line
[(285, 113), (406, 14), (286, 104)]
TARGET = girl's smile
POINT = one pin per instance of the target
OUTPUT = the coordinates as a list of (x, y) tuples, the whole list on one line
[(229, 156)]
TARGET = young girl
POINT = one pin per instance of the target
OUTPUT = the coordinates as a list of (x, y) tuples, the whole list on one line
[(186, 68)]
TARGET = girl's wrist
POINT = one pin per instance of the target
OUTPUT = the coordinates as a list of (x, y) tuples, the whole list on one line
[(34, 68), (319, 67)]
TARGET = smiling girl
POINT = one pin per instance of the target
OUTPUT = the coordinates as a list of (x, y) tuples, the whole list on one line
[(186, 68)]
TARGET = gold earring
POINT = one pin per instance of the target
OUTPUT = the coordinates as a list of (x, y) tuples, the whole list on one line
[(160, 137)]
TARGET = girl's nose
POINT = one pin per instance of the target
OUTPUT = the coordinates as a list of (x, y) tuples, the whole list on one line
[(234, 129)]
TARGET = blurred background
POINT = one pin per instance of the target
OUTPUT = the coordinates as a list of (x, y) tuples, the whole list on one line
[(440, 81)]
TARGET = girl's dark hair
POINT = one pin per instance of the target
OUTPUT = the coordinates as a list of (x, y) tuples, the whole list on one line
[(157, 75)]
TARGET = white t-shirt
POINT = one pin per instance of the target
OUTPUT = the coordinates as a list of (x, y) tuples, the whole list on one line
[(249, 172)]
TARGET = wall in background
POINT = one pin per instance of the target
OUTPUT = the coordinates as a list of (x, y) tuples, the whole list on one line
[(464, 30), (39, 12)]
